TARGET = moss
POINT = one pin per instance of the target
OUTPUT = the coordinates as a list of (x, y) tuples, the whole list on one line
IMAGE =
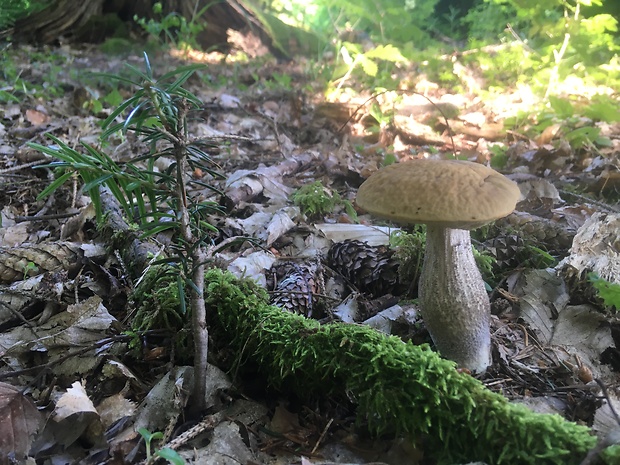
[(397, 386), (611, 455), (316, 200), (156, 299), (409, 253), (116, 46)]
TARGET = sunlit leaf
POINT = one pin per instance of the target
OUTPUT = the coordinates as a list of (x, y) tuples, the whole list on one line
[(609, 292), (386, 52), (133, 114), (561, 106), (603, 111), (369, 66), (581, 136)]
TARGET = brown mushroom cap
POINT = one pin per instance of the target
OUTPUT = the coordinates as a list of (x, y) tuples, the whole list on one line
[(449, 193)]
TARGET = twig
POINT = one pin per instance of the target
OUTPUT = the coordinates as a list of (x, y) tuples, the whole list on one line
[(20, 167), (58, 216), (314, 294), (206, 424), (612, 438), (322, 436), (583, 198), (606, 394)]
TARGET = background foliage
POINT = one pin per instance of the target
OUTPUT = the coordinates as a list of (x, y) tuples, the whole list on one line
[(12, 10)]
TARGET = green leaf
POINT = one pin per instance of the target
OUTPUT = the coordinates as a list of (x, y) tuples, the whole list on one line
[(562, 107), (181, 289), (199, 153), (602, 141), (151, 229), (116, 77), (603, 111), (185, 73), (148, 436), (142, 211), (190, 283), (582, 136), (54, 185), (214, 189), (609, 292), (170, 455), (136, 71), (133, 113), (121, 198), (114, 98), (110, 119), (96, 106), (189, 96), (147, 64), (95, 183), (51, 151)]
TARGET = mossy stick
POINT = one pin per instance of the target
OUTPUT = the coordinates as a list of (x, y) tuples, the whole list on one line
[(398, 387)]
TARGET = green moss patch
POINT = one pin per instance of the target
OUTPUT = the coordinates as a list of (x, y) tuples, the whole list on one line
[(398, 387)]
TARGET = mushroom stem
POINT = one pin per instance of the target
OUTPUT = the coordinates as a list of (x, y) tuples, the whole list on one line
[(453, 299)]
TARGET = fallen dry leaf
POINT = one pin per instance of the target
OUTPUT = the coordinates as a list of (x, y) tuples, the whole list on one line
[(74, 413), (19, 421)]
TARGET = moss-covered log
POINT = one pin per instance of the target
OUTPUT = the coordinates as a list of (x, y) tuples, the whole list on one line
[(398, 387)]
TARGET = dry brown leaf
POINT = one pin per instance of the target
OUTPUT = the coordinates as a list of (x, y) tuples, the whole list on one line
[(284, 421), (72, 402), (548, 134), (113, 408), (74, 413), (19, 421)]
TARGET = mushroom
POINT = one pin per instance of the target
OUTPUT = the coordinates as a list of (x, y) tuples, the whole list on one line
[(451, 197)]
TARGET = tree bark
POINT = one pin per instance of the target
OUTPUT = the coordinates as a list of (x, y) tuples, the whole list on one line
[(59, 18), (67, 20)]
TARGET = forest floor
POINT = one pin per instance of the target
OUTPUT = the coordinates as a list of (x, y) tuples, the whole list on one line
[(66, 317)]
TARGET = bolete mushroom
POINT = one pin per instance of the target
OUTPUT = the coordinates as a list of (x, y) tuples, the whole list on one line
[(451, 197)]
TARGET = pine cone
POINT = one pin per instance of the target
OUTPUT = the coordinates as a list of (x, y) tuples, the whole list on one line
[(370, 269), (296, 290), (507, 250), (542, 231)]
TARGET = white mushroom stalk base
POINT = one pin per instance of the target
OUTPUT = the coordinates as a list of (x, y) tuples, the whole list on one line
[(453, 299)]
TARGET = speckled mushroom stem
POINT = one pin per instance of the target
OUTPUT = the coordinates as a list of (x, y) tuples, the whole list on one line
[(453, 299)]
